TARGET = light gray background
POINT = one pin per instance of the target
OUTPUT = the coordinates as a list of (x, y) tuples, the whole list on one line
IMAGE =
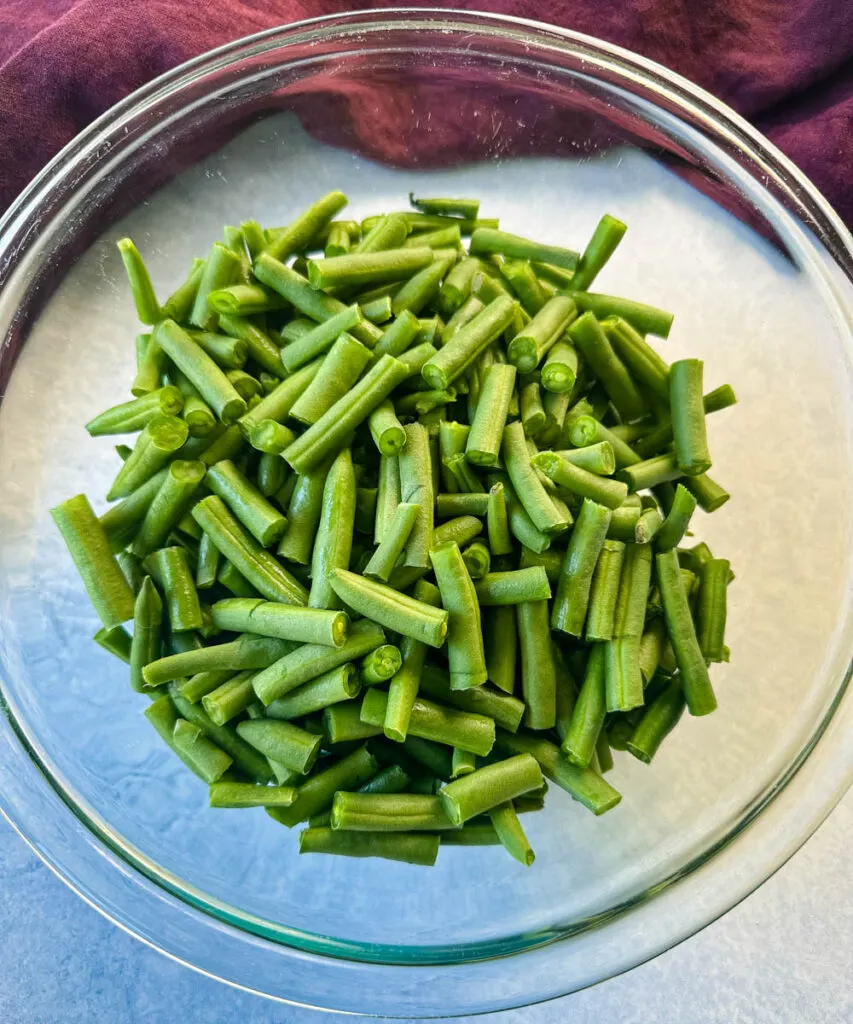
[(782, 957)]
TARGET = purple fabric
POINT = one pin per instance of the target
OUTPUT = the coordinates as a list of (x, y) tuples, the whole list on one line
[(788, 67)]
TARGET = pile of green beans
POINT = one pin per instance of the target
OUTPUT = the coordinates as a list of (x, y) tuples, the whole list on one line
[(402, 531)]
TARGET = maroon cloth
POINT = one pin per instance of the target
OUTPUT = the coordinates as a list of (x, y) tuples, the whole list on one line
[(787, 66)]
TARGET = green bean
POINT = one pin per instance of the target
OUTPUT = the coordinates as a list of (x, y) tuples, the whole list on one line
[(333, 543), (303, 516), (589, 336), (640, 358), (469, 309), (236, 655), (329, 432), (203, 373), (245, 757), (560, 369), (583, 784), (584, 431), (342, 724), (228, 353), (367, 268), (314, 304), (378, 310), (387, 232), (430, 721), (682, 634), (601, 616), (386, 430), (272, 474), (497, 521), (234, 581), (648, 525), (521, 525), (569, 611), (708, 493), (505, 822), (398, 337), (221, 269), (89, 546), (259, 567), (660, 438), (230, 698), (317, 792), (287, 622), (394, 542), (501, 638), (466, 480), (147, 306), (283, 742), (646, 319), (457, 285), (243, 300), (464, 629), (468, 208), (414, 848), (419, 403), (513, 587), (587, 720), (536, 500), (468, 343), (278, 403), (179, 304), (485, 241), (487, 787), (524, 285), (688, 417), (391, 609), (607, 235), (443, 238), (116, 640), (301, 231), (463, 763), (171, 570), (651, 472), (295, 667), (147, 626), (210, 762), (163, 717), (660, 718), (506, 710), (380, 665), (247, 794), (319, 339), (338, 684), (530, 345), (252, 509), (168, 506), (473, 834), (262, 349), (484, 440), (420, 289), (136, 414), (150, 364), (538, 675), (388, 495), (225, 445), (416, 489), (712, 609), (388, 812), (477, 559), (340, 370), (200, 684), (161, 437), (595, 458)]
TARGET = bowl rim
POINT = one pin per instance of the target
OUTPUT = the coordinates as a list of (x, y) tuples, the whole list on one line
[(84, 152)]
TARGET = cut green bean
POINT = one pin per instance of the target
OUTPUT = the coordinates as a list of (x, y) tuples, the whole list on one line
[(318, 791), (159, 440), (388, 812), (660, 718), (571, 602), (116, 640), (230, 698), (484, 440), (303, 516), (487, 787), (477, 559), (89, 547), (507, 711), (587, 720), (299, 233), (391, 609), (342, 724), (582, 784), (464, 628), (210, 762), (386, 430), (221, 269), (243, 653), (486, 240), (560, 370), (147, 306), (292, 668), (333, 543), (252, 509), (536, 500), (654, 442), (172, 572), (514, 586), (147, 628), (410, 848), (708, 493), (416, 488), (607, 235), (538, 675), (601, 616), (248, 794), (524, 284), (711, 616), (579, 481), (341, 368), (682, 634), (287, 622), (463, 763), (362, 269), (589, 336), (169, 505), (651, 472), (430, 721), (501, 638), (646, 319), (532, 342), (468, 343), (595, 458), (282, 741), (259, 567), (381, 665), (228, 353), (641, 359), (688, 417), (469, 208), (338, 684), (585, 430), (131, 416), (394, 542), (504, 820)]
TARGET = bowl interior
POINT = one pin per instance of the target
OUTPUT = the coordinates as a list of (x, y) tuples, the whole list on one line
[(757, 306)]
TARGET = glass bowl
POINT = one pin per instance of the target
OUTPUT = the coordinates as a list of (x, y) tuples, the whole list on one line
[(551, 129)]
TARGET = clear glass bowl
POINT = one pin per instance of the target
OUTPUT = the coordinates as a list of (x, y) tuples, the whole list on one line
[(551, 129)]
